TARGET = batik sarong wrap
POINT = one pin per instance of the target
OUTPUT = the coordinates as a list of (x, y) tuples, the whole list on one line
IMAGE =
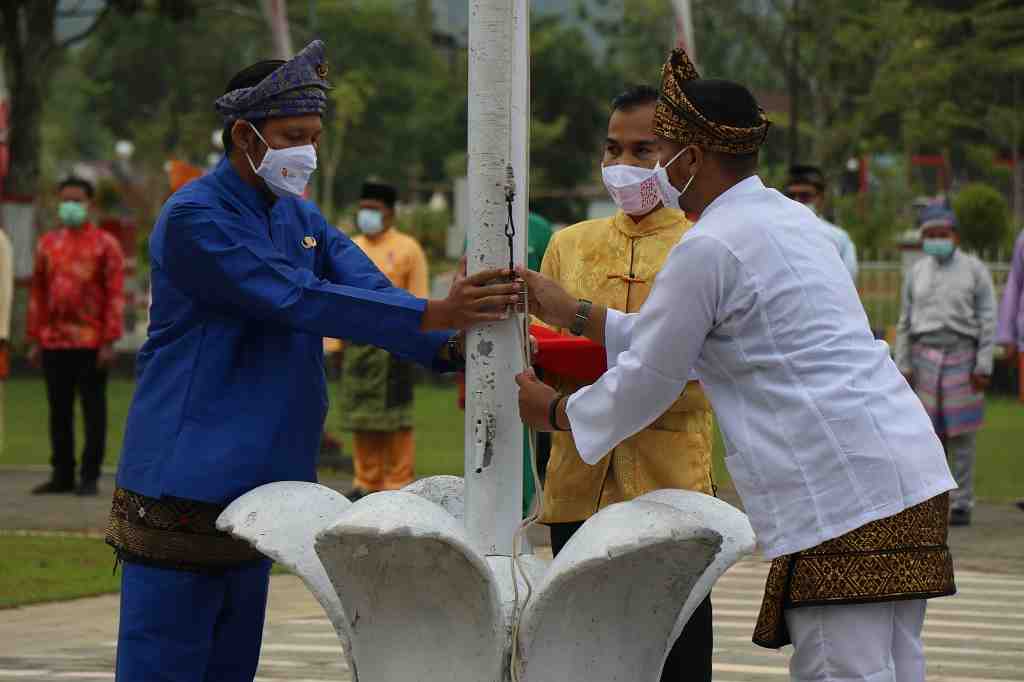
[(376, 390), (897, 558), (942, 380)]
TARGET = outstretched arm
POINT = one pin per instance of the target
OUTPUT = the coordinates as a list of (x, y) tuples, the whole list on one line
[(665, 338), (222, 261), (552, 304)]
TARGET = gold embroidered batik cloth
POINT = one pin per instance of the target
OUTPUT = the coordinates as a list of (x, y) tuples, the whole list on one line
[(172, 532), (902, 557)]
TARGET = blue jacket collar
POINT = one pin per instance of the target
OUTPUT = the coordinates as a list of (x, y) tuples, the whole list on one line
[(251, 197)]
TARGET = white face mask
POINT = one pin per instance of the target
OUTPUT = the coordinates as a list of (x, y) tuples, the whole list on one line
[(370, 221), (286, 171), (670, 196), (633, 189)]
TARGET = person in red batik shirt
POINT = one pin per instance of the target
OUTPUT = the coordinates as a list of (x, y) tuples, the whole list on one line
[(75, 315)]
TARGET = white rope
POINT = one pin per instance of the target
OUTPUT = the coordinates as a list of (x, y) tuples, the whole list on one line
[(538, 509)]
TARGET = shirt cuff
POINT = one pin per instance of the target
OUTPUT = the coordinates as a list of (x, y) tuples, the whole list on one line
[(618, 329)]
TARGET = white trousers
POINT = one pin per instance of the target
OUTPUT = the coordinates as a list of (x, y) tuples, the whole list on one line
[(858, 642)]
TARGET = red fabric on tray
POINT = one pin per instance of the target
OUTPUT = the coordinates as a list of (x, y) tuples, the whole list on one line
[(575, 357)]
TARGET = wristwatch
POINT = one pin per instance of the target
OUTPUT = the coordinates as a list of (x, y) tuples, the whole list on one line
[(553, 413), (579, 324), (451, 353)]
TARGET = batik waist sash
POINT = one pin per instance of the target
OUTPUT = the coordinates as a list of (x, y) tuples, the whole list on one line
[(901, 557), (172, 532)]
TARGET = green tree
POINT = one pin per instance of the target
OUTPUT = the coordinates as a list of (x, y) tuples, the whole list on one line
[(411, 94), (33, 52), (983, 216), (570, 95), (346, 110)]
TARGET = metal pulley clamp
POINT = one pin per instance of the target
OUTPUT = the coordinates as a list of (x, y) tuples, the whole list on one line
[(510, 225)]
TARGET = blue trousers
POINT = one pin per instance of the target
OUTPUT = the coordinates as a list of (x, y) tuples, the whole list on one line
[(179, 626)]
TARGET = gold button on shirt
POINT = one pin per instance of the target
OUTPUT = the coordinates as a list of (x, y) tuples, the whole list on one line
[(613, 262)]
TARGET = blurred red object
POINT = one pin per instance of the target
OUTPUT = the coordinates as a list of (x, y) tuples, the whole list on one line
[(574, 357)]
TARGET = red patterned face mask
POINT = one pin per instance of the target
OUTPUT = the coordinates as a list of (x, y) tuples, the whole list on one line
[(633, 189)]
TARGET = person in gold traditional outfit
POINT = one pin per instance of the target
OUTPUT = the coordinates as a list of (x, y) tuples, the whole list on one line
[(613, 262)]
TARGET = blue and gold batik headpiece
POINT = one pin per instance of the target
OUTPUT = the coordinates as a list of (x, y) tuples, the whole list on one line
[(297, 87)]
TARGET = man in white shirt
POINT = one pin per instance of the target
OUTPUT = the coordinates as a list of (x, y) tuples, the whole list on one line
[(806, 184), (945, 343), (837, 464)]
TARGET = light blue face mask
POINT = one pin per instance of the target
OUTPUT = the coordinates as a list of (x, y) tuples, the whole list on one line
[(72, 213), (941, 248), (369, 221)]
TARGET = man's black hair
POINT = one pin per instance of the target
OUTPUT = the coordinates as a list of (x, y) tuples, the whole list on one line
[(247, 78), (634, 96), (81, 183), (730, 104), (723, 102), (806, 174)]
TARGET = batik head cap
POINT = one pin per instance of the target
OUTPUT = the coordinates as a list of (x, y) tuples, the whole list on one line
[(296, 88), (937, 216), (677, 119)]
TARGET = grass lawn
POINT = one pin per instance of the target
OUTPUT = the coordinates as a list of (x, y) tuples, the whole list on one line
[(38, 569), (35, 569), (439, 434), (438, 427), (26, 435)]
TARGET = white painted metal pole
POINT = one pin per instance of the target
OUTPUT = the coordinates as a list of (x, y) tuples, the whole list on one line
[(498, 134), (685, 37)]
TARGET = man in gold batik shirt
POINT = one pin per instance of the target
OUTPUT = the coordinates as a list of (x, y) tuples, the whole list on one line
[(613, 262)]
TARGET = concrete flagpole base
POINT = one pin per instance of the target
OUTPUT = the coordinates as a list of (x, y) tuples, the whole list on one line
[(411, 598)]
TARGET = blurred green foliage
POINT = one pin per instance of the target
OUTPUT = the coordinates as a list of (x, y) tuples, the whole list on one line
[(429, 227), (982, 215), (903, 77)]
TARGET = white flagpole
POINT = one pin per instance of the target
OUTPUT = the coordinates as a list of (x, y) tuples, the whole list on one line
[(498, 139), (684, 29)]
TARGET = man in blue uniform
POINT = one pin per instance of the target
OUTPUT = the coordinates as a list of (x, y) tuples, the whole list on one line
[(247, 278)]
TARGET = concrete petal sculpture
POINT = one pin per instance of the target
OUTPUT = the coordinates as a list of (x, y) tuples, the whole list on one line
[(282, 520), (422, 603), (396, 572)]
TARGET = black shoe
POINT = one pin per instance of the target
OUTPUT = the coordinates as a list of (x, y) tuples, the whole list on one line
[(53, 487), (1020, 505), (87, 489), (960, 517)]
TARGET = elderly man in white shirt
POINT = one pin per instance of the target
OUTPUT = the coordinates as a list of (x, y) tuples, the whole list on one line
[(806, 184), (832, 454)]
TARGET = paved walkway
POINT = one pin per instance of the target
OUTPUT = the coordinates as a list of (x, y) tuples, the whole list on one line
[(976, 636)]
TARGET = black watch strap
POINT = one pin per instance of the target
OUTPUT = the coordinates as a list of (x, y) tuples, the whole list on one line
[(452, 354), (553, 412), (579, 324)]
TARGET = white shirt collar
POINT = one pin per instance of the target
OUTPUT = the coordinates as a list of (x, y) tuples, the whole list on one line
[(741, 188)]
